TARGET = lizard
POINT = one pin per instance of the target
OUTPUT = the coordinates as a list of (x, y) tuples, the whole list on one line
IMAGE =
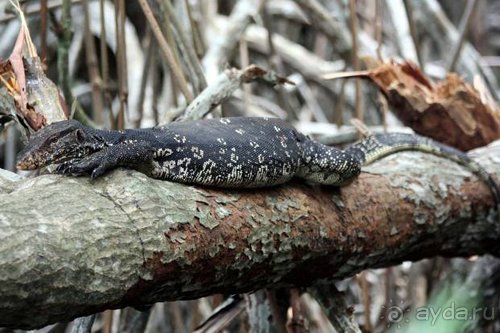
[(239, 152)]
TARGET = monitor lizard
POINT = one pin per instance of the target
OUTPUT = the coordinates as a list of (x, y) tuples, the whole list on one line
[(226, 152)]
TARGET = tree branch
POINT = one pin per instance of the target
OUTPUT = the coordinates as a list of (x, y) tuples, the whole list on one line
[(73, 246)]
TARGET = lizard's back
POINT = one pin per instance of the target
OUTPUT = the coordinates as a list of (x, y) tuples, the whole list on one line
[(231, 152)]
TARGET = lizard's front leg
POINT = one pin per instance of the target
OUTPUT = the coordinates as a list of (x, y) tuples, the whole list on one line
[(133, 155)]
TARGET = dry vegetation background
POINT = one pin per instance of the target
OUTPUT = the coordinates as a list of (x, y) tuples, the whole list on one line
[(125, 64)]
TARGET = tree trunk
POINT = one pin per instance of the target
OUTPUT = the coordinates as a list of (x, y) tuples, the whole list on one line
[(72, 246)]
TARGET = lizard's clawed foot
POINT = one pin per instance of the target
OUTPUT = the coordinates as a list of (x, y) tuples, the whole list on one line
[(62, 168), (65, 168), (89, 165), (97, 172)]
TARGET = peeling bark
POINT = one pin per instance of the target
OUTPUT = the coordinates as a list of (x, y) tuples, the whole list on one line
[(72, 246)]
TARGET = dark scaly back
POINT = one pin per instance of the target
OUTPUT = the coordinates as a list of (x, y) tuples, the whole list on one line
[(229, 152), (376, 146)]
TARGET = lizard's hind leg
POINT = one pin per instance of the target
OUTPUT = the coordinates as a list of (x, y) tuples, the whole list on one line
[(326, 165)]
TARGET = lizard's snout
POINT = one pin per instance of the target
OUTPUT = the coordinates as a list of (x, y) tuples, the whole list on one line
[(25, 163)]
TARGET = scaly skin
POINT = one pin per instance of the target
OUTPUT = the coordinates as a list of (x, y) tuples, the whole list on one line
[(227, 152)]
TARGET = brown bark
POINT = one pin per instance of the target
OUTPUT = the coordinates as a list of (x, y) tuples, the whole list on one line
[(72, 246)]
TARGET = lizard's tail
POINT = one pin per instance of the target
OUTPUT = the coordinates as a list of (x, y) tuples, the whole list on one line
[(376, 146)]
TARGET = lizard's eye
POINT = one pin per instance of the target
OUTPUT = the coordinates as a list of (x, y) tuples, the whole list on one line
[(52, 139), (80, 136)]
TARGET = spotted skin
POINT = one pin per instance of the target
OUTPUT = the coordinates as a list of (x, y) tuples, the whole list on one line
[(230, 152), (226, 152)]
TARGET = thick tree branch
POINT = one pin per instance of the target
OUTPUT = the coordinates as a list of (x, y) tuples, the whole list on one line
[(72, 246)]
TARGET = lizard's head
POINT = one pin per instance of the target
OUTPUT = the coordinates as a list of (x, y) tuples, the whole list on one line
[(56, 143)]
